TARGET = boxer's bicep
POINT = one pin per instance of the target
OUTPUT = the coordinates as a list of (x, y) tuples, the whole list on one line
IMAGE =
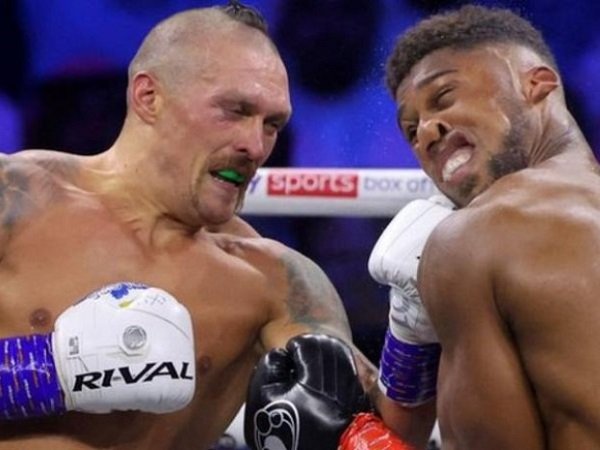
[(309, 303), (312, 299)]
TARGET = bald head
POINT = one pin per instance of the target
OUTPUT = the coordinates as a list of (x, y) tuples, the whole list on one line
[(182, 41)]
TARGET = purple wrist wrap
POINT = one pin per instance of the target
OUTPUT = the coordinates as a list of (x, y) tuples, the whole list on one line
[(408, 372), (29, 385)]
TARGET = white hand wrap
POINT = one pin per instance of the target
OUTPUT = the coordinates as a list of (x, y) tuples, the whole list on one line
[(408, 368), (125, 347)]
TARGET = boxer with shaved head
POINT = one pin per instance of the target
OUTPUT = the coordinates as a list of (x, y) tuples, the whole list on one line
[(135, 304)]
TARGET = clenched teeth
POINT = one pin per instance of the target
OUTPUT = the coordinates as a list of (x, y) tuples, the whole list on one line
[(455, 161)]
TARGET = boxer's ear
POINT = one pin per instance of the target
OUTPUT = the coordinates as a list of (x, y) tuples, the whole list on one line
[(144, 96), (539, 82)]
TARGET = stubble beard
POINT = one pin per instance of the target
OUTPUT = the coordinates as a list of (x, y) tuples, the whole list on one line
[(512, 158), (515, 156)]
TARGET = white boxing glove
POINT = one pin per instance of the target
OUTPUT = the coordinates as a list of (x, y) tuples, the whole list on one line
[(408, 368), (127, 346)]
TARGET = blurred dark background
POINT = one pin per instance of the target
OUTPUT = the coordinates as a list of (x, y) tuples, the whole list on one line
[(62, 86)]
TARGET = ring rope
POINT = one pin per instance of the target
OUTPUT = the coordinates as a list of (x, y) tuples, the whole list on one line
[(334, 192)]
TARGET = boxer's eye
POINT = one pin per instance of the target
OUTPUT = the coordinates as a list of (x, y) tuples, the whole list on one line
[(442, 98), (411, 133)]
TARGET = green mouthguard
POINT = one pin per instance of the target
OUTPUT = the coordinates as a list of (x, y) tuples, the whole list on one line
[(231, 175)]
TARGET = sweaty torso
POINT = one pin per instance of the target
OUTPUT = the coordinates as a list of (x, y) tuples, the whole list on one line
[(65, 243), (515, 298)]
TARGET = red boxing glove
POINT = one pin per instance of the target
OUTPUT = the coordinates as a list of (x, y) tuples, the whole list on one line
[(367, 432)]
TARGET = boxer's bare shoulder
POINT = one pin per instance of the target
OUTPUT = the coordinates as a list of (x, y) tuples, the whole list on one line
[(32, 179), (38, 164), (302, 296), (517, 303)]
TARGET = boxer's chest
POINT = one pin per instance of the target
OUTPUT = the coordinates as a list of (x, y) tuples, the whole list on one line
[(54, 261)]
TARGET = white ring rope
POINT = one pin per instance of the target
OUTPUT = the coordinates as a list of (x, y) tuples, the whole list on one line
[(334, 192)]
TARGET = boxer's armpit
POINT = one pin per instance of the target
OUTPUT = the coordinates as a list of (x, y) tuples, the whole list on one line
[(312, 299)]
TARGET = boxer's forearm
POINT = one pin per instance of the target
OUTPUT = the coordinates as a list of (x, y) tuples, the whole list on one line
[(413, 424), (368, 374)]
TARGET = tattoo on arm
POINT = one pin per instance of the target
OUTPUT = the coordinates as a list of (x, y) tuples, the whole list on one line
[(312, 298), (14, 196), (65, 167), (24, 183)]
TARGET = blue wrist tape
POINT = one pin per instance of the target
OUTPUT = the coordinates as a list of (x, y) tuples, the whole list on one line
[(29, 385), (408, 372)]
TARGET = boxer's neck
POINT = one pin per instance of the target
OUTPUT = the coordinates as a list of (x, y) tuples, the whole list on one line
[(122, 190)]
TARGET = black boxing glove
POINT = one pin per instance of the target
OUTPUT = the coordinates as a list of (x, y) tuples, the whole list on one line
[(303, 397)]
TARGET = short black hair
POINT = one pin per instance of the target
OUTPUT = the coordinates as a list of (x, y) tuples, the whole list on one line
[(463, 28), (245, 14)]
